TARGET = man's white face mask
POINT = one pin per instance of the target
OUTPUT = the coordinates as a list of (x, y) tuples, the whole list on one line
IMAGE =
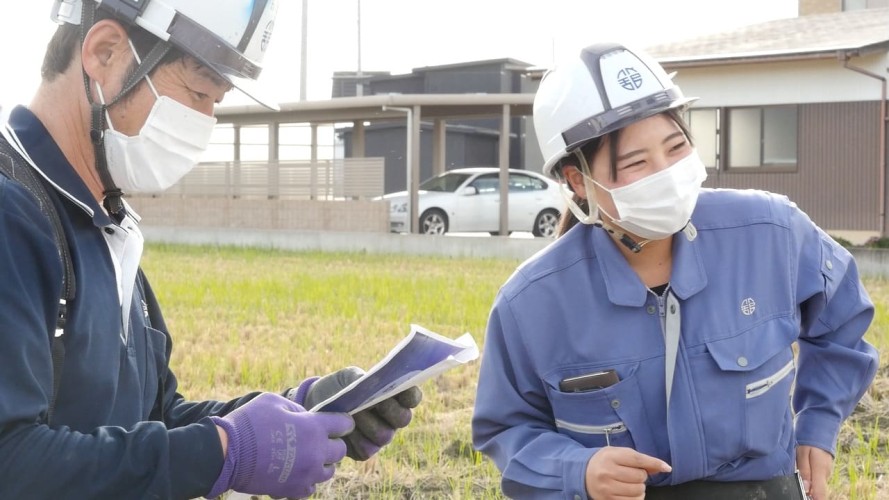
[(167, 147), (660, 205)]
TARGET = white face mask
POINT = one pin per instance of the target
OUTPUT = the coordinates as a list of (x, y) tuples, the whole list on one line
[(167, 147), (660, 205)]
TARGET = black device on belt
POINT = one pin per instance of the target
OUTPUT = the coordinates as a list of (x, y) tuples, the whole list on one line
[(777, 488)]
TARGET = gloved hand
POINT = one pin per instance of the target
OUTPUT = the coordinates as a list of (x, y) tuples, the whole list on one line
[(277, 448), (375, 426)]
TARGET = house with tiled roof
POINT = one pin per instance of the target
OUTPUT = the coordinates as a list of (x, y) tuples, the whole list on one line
[(797, 106)]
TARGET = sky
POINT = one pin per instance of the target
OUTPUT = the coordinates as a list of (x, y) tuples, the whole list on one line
[(399, 35)]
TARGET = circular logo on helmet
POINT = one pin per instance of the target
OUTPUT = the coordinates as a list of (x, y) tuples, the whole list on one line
[(266, 35), (629, 79)]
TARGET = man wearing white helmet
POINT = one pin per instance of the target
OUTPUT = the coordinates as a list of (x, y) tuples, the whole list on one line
[(88, 405), (647, 352)]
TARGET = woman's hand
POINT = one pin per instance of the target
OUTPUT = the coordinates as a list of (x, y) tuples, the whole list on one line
[(815, 465), (615, 472)]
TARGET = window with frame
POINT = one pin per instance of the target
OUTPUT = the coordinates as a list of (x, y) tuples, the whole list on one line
[(487, 183), (703, 125), (522, 182), (864, 4), (762, 137)]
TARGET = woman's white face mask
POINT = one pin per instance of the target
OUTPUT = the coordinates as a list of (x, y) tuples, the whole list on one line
[(660, 205), (167, 147)]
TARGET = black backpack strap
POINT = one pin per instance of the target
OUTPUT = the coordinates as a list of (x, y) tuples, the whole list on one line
[(16, 168)]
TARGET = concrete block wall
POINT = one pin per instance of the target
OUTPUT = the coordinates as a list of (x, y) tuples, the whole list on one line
[(219, 212)]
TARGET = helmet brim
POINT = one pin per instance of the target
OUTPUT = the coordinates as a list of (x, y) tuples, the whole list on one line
[(615, 119)]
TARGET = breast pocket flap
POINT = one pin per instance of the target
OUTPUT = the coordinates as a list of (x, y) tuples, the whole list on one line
[(749, 350)]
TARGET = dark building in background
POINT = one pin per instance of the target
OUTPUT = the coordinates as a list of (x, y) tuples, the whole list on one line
[(469, 143)]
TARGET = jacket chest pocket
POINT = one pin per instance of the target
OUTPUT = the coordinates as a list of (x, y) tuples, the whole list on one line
[(612, 416), (751, 376)]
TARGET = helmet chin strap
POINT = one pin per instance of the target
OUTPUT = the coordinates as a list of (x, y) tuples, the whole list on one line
[(620, 235), (594, 217), (113, 195)]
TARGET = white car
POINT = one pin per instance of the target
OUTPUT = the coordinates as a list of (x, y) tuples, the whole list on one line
[(468, 200)]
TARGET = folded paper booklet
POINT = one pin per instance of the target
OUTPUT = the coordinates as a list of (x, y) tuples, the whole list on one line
[(419, 356)]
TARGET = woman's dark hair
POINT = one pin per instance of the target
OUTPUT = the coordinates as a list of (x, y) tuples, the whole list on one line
[(589, 150), (61, 48)]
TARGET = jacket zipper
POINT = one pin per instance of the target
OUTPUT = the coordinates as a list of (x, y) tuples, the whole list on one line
[(608, 430), (760, 387)]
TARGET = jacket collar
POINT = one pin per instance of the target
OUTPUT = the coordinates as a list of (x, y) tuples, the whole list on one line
[(52, 164), (624, 287)]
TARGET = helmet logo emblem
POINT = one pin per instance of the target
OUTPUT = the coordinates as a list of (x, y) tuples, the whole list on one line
[(748, 305), (629, 79), (266, 35)]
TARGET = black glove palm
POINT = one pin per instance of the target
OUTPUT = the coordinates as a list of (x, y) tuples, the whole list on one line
[(375, 426)]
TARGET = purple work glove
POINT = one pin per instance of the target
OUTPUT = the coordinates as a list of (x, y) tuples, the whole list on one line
[(277, 448), (375, 426)]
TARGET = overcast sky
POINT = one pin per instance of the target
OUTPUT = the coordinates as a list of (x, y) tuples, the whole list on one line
[(398, 35)]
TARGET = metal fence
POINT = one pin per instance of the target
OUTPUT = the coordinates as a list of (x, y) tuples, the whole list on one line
[(339, 179)]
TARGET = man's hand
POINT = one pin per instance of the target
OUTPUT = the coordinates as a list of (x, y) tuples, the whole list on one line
[(815, 466), (615, 472), (274, 447), (375, 426)]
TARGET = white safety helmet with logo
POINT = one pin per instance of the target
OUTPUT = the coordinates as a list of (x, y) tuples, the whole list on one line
[(605, 88), (228, 36)]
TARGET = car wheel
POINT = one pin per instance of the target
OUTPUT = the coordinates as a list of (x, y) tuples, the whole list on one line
[(546, 224), (433, 221)]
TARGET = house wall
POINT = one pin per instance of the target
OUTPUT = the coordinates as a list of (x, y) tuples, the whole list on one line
[(835, 181), (464, 149), (822, 80), (808, 7)]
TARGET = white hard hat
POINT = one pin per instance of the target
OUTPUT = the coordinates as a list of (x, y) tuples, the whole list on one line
[(607, 87), (228, 36)]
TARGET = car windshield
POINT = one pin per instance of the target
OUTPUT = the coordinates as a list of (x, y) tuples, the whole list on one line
[(447, 182)]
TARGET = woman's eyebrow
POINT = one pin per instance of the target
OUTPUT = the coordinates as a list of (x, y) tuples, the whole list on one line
[(670, 137), (642, 150)]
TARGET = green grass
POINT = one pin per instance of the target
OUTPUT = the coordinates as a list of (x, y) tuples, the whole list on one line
[(247, 319)]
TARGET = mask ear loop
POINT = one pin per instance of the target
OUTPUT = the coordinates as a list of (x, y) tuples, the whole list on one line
[(590, 191), (593, 217)]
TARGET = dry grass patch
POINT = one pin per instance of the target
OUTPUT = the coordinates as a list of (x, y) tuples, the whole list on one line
[(247, 319)]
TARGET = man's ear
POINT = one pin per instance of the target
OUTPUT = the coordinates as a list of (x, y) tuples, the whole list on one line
[(106, 55)]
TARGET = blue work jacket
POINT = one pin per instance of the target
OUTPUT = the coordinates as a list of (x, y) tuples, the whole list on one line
[(120, 429), (759, 277)]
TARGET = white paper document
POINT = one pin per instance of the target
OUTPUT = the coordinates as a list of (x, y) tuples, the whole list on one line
[(419, 356)]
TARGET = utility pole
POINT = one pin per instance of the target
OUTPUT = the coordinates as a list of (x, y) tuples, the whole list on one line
[(304, 52), (359, 89)]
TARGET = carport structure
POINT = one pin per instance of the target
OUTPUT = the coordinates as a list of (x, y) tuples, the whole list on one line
[(413, 108)]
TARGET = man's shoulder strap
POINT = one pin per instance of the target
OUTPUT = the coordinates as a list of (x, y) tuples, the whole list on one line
[(13, 166)]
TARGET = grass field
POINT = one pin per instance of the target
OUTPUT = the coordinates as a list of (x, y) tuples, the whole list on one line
[(247, 319)]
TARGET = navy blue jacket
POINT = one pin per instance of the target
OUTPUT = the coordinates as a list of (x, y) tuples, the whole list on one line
[(120, 428)]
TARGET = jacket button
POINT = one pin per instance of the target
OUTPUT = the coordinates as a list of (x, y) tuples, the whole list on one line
[(615, 403), (650, 309), (828, 265), (742, 361), (109, 230)]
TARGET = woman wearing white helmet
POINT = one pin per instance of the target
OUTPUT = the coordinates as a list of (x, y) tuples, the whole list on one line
[(89, 407), (646, 353)]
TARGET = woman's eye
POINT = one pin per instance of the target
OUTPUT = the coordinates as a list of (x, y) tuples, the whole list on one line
[(678, 146)]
